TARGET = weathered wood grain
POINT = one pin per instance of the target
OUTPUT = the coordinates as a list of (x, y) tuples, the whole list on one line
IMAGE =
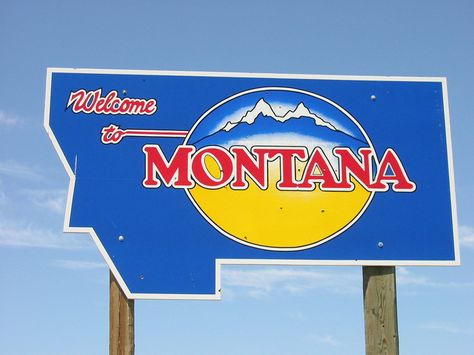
[(122, 327), (380, 310)]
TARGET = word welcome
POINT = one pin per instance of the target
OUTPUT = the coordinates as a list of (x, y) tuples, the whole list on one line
[(93, 102)]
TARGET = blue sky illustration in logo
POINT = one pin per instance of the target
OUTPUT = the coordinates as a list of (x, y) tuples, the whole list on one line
[(278, 116)]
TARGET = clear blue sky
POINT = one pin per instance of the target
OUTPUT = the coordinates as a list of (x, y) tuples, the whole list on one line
[(54, 287)]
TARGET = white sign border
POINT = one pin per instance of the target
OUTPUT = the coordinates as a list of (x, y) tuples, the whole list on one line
[(220, 262)]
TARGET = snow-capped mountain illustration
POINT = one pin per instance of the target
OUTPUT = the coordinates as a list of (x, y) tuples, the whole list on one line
[(285, 124), (264, 109)]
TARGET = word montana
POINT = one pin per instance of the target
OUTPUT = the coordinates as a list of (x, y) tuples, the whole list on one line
[(93, 102), (189, 166)]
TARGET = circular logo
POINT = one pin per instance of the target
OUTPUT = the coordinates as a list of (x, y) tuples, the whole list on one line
[(279, 213)]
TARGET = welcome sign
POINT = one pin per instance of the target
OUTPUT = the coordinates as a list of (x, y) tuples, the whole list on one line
[(177, 173)]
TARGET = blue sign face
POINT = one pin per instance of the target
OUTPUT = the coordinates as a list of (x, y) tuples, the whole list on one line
[(175, 174)]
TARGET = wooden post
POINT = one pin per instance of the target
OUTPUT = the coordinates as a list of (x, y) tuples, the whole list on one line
[(121, 336), (380, 310)]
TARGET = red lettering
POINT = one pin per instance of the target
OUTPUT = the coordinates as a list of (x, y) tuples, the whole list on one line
[(136, 106), (124, 106), (188, 167), (115, 107), (92, 101), (325, 173), (150, 107), (76, 99), (173, 173), (201, 172), (287, 157), (350, 165), (246, 164), (398, 178), (100, 105), (108, 101)]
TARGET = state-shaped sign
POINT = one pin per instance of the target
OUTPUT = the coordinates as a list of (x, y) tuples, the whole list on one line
[(177, 173)]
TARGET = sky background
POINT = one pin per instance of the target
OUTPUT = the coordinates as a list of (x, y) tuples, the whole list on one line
[(54, 297)]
